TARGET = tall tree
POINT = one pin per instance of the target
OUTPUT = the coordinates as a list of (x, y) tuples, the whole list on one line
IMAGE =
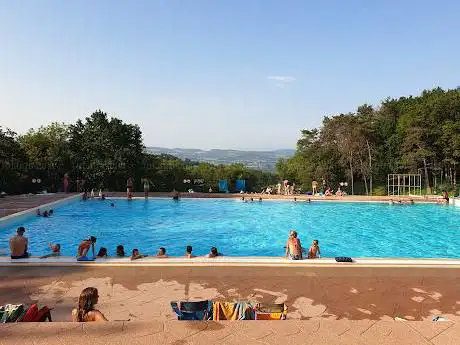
[(106, 151)]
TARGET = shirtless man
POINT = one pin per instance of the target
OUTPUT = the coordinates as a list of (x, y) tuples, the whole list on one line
[(18, 245), (293, 247)]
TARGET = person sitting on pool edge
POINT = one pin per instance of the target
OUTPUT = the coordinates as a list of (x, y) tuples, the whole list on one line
[(56, 250), (188, 252), (85, 311), (293, 247), (314, 251), (214, 253), (136, 255), (18, 244), (120, 251), (84, 247), (161, 253)]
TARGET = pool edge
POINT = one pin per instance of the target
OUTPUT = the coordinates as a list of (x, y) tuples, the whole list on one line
[(231, 262)]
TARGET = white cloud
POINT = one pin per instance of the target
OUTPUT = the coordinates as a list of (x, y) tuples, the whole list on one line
[(282, 78)]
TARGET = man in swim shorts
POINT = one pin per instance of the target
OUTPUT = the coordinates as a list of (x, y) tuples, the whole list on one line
[(18, 244)]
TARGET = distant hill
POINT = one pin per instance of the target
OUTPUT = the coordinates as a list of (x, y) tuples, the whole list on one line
[(263, 160)]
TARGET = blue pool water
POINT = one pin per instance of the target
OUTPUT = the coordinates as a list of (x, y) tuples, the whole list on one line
[(248, 229)]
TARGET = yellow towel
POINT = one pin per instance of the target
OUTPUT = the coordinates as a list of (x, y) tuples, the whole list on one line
[(225, 311)]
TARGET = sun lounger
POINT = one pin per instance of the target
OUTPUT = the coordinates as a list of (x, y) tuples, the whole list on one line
[(201, 310), (270, 311)]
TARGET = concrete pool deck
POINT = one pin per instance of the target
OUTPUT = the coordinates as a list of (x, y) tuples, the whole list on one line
[(326, 305), (314, 332)]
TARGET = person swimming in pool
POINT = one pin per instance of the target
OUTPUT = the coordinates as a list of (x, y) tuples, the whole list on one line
[(188, 252), (161, 253), (214, 253), (120, 251), (55, 249), (102, 253), (84, 247), (136, 255), (293, 247)]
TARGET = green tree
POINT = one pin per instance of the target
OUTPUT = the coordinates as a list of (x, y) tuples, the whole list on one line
[(13, 163), (48, 153), (106, 151)]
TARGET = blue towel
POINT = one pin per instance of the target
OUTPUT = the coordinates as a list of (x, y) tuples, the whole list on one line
[(85, 258)]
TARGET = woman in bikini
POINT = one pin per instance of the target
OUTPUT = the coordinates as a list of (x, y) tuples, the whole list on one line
[(84, 247), (293, 247), (85, 311)]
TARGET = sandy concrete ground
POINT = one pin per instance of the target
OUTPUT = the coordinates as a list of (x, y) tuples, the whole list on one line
[(314, 332), (143, 293), (326, 305)]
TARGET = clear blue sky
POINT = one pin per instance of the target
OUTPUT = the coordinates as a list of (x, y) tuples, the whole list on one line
[(219, 74)]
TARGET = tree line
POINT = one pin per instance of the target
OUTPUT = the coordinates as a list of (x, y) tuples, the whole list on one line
[(417, 135), (104, 152)]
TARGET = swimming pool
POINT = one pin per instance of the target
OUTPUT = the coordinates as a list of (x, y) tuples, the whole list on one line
[(248, 229)]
